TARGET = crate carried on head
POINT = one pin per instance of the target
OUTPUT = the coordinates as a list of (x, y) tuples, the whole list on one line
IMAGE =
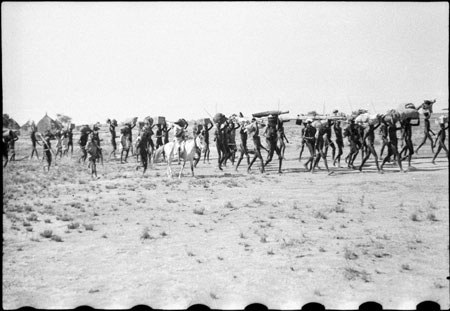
[(161, 120), (442, 120), (207, 121)]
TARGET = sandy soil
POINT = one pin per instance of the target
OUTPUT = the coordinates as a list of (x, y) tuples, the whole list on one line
[(225, 239)]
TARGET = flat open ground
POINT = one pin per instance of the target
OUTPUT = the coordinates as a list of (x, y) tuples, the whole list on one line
[(225, 239)]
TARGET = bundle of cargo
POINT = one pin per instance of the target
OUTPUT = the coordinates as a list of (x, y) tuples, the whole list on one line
[(113, 122), (321, 117), (427, 105), (268, 113), (392, 116), (85, 129), (9, 133), (285, 119), (219, 118), (181, 122), (96, 126), (131, 121), (367, 118), (148, 120), (318, 124), (408, 111), (207, 121)]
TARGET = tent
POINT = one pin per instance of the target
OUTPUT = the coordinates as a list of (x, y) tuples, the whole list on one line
[(47, 123)]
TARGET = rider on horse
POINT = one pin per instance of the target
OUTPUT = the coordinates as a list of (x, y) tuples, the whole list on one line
[(180, 135)]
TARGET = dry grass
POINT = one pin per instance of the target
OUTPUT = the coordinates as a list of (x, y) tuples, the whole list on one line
[(406, 267), (145, 235), (32, 217), (350, 255), (88, 227), (258, 201), (320, 215), (431, 217), (46, 234), (414, 217), (56, 238), (199, 210), (307, 225), (73, 225), (352, 274), (229, 205)]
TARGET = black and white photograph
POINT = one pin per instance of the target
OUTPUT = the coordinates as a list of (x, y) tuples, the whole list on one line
[(225, 154)]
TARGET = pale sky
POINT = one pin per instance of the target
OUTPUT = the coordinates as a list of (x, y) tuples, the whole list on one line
[(93, 61)]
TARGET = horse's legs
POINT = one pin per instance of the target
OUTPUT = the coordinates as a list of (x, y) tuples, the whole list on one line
[(169, 161), (182, 168)]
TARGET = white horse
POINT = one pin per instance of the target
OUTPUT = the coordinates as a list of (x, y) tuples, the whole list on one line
[(188, 152)]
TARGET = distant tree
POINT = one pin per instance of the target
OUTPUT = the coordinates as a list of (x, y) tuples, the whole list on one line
[(63, 119), (314, 113), (9, 122)]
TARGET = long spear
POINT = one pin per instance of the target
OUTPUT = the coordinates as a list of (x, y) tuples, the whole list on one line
[(43, 140)]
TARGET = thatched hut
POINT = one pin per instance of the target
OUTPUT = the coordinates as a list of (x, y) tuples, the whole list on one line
[(26, 127), (47, 123)]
